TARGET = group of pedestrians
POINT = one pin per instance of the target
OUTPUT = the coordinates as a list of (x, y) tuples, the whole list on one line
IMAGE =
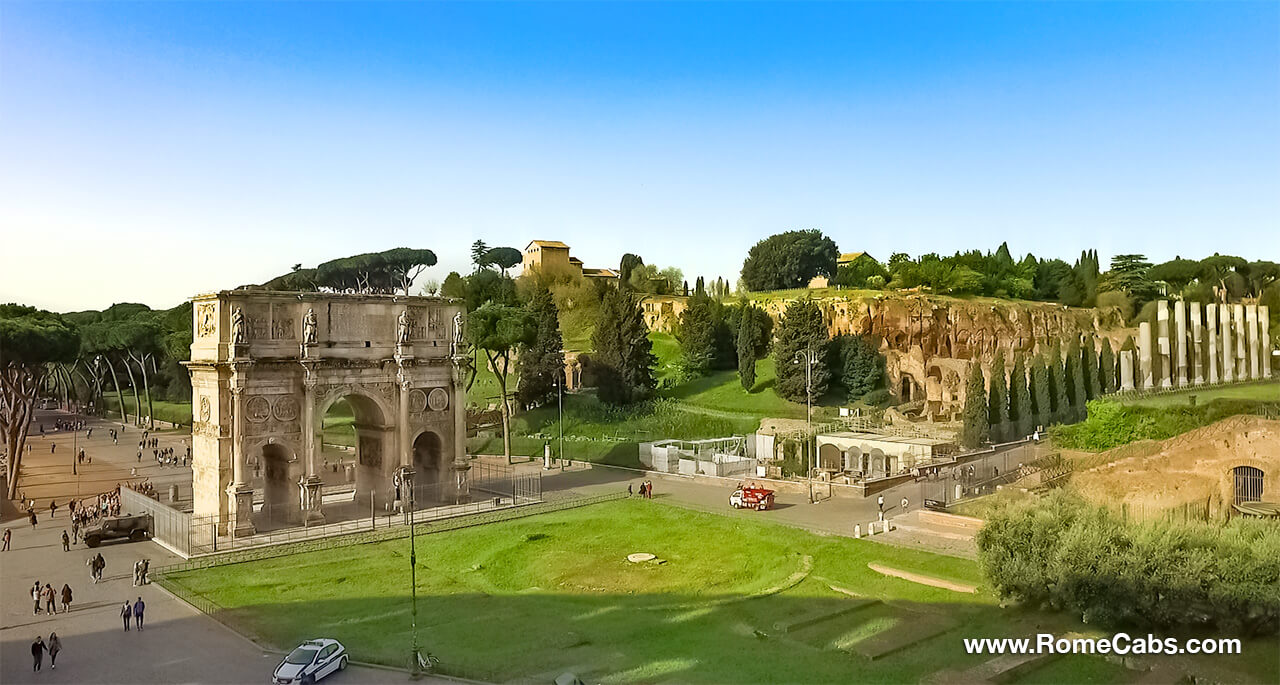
[(49, 597), (39, 647), (134, 611), (96, 565), (646, 489)]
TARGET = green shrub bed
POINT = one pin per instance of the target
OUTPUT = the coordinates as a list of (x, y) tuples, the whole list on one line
[(1111, 424), (1062, 553)]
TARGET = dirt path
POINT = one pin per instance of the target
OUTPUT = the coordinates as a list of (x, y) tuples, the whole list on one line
[(923, 579)]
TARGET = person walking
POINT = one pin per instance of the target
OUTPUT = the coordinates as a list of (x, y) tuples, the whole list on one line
[(138, 608), (904, 504), (66, 597), (35, 598), (55, 646), (37, 653), (66, 542), (31, 514), (8, 535), (50, 599), (126, 612), (880, 502)]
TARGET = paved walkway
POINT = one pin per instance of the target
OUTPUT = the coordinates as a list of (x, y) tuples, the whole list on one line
[(179, 644)]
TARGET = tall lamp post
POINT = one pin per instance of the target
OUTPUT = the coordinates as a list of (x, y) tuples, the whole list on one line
[(406, 480), (808, 358)]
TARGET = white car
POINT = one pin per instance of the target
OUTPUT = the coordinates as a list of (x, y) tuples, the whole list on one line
[(311, 661)]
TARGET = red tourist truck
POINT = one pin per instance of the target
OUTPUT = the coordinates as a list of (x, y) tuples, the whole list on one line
[(751, 498)]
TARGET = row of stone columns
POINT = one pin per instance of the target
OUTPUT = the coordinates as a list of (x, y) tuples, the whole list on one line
[(1238, 346)]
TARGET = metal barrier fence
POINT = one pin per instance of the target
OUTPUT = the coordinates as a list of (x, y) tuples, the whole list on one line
[(171, 526), (492, 487), (225, 557)]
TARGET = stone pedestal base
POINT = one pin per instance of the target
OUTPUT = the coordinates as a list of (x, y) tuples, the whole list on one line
[(240, 509), (313, 515), (461, 482)]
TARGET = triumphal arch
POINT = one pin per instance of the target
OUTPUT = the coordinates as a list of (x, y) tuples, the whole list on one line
[(266, 366)]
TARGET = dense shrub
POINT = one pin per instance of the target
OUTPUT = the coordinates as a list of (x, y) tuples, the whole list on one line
[(1063, 553)]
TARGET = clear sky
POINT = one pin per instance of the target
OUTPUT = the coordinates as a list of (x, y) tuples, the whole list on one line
[(150, 151)]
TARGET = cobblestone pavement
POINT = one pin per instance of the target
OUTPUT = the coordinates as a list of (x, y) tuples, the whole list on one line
[(179, 644)]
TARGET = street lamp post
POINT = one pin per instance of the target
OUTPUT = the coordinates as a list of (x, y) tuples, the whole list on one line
[(808, 358), (407, 481)]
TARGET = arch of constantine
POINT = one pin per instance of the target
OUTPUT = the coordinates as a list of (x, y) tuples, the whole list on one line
[(266, 366)]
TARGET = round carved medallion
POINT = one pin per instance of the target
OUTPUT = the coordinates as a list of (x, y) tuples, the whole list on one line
[(257, 409), (438, 400), (205, 410), (286, 409), (417, 401)]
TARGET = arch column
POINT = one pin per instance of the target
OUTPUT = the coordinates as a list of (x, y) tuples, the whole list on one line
[(239, 492), (312, 499), (461, 467)]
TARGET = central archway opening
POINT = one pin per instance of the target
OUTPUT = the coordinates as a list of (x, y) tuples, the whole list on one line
[(280, 471), (354, 454), (430, 468)]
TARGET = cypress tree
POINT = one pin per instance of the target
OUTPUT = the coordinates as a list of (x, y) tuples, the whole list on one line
[(748, 341), (1020, 413), (1075, 392), (623, 355), (976, 429), (997, 399), (1058, 385), (801, 330), (1107, 368), (1041, 393), (1078, 391), (1090, 366), (541, 363), (697, 335)]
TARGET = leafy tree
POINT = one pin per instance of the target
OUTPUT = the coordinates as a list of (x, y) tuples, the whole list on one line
[(1106, 368), (32, 341), (453, 286), (977, 429), (1049, 278), (487, 285), (1130, 274), (541, 362), (1261, 274), (502, 257), (1072, 290), (789, 260), (386, 272), (1178, 273), (1224, 271), (627, 265), (1041, 392), (1021, 414), (498, 329), (623, 353), (859, 364), (748, 343), (802, 330)]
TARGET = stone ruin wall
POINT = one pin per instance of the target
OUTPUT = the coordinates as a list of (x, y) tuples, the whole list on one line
[(929, 342)]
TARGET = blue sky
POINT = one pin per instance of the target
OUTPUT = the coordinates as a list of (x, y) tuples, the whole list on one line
[(150, 151)]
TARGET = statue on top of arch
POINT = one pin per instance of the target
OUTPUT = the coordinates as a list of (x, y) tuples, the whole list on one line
[(309, 327), (403, 328)]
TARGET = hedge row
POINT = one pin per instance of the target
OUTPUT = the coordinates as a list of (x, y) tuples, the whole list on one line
[(1062, 553)]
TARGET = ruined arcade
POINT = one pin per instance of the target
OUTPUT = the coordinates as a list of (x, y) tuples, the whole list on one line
[(266, 366)]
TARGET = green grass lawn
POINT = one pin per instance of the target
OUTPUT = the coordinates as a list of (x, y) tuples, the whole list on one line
[(173, 412), (1262, 392), (735, 599)]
